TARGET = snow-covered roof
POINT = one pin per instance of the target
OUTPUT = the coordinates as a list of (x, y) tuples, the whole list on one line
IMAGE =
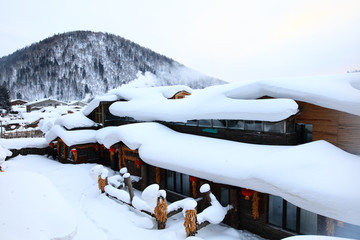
[(44, 100), (75, 120), (340, 92), (237, 100), (71, 138), (277, 170), (126, 93), (19, 143)]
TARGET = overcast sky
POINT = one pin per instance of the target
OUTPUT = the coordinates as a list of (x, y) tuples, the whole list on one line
[(232, 40)]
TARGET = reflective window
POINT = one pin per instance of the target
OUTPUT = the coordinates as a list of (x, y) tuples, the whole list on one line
[(236, 124), (204, 123), (275, 210), (274, 127), (191, 123), (291, 216), (218, 123), (224, 196), (308, 222), (253, 126)]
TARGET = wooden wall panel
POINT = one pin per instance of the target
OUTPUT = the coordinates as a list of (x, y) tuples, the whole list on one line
[(339, 128)]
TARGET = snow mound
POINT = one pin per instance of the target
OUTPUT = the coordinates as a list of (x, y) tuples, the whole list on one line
[(33, 209)]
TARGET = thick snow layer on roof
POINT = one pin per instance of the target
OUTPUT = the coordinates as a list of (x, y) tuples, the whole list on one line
[(75, 120), (202, 104), (238, 100), (340, 92), (71, 138), (128, 93), (304, 175), (19, 143), (32, 208)]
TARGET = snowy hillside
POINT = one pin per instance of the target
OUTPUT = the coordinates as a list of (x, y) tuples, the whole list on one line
[(68, 66)]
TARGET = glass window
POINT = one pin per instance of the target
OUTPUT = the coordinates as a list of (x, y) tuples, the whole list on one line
[(204, 123), (218, 123), (274, 127), (191, 123), (224, 196), (308, 222), (185, 185), (253, 126), (82, 152), (93, 154), (275, 210), (236, 124), (178, 182), (170, 180), (291, 213), (290, 126)]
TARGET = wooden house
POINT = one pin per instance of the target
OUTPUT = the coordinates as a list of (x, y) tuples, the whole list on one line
[(46, 102), (302, 117)]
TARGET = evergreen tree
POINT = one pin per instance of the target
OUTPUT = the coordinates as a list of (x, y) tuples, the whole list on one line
[(4, 98)]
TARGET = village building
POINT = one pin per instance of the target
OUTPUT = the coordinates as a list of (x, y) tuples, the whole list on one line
[(17, 102), (265, 141), (46, 102)]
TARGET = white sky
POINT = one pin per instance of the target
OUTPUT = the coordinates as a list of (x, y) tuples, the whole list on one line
[(232, 40)]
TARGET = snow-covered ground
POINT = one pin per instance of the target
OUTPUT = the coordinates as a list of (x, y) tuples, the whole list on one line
[(37, 179)]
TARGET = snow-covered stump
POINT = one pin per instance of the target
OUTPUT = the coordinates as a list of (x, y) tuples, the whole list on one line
[(190, 222), (102, 176), (161, 210), (102, 182)]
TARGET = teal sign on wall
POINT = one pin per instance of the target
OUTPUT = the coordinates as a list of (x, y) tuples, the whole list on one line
[(210, 130)]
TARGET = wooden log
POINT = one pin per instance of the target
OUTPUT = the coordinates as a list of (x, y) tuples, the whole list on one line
[(102, 183)]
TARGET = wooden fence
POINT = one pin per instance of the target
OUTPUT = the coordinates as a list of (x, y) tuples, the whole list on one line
[(22, 134)]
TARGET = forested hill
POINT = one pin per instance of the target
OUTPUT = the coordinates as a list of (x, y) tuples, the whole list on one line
[(71, 65)]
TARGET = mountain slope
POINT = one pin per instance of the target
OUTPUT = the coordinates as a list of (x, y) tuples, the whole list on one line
[(72, 65)]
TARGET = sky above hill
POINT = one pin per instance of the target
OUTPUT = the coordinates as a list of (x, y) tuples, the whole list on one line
[(233, 40)]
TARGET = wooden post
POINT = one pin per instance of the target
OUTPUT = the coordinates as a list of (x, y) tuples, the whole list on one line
[(102, 183), (190, 222), (161, 212), (158, 175), (255, 205), (127, 181)]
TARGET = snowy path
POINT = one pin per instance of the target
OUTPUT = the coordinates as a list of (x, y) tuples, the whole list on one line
[(101, 218)]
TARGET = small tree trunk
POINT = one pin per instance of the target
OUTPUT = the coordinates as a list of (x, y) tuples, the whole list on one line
[(127, 181), (102, 183), (161, 212), (190, 222)]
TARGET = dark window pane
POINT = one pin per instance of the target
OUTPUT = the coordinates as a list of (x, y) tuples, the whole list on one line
[(253, 126), (178, 182), (224, 196), (274, 127), (185, 185), (219, 123), (308, 222), (291, 216), (275, 210), (236, 124), (204, 123), (170, 180)]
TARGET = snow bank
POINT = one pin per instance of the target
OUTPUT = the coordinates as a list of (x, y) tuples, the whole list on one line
[(213, 214), (314, 237), (118, 193), (19, 143), (277, 170), (75, 120), (71, 138), (32, 208)]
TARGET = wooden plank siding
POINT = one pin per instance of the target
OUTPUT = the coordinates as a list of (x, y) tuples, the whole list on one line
[(339, 128)]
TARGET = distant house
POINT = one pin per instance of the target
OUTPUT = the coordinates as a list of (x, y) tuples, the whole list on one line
[(77, 103), (18, 102), (276, 128), (46, 102)]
